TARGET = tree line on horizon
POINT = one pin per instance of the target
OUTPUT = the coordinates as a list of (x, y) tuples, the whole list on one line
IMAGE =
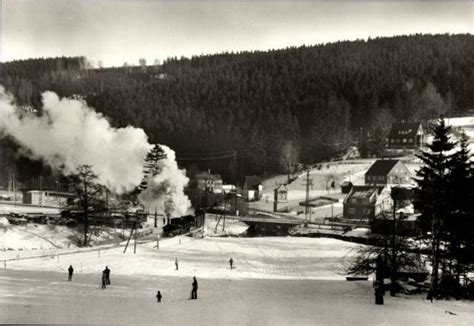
[(275, 108)]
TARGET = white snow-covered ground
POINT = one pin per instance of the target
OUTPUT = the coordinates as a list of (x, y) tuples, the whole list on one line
[(256, 258), (34, 236), (31, 236), (276, 281), (224, 227)]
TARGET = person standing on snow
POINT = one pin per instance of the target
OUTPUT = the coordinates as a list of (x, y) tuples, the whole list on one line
[(195, 289), (70, 270), (158, 296), (231, 262), (176, 263), (104, 280), (107, 275)]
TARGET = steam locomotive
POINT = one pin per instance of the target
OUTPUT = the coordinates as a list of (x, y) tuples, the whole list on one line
[(183, 224)]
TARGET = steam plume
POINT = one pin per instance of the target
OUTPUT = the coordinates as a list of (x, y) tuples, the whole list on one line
[(162, 186), (69, 133)]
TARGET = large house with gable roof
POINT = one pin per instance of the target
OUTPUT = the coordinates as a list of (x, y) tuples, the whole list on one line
[(406, 135)]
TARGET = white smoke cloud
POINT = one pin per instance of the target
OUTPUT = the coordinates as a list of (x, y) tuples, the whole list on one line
[(168, 184), (69, 133)]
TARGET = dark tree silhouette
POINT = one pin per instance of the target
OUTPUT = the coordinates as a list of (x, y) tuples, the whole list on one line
[(88, 192), (432, 196)]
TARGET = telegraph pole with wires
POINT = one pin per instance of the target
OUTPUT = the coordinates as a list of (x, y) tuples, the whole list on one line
[(234, 153), (307, 209)]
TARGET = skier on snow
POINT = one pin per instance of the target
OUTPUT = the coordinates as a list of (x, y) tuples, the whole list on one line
[(107, 275), (70, 270), (158, 296), (195, 288)]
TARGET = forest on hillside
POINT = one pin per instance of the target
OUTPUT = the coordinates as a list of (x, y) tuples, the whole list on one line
[(301, 104)]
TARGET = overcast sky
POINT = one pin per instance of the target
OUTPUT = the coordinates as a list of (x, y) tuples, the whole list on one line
[(124, 31)]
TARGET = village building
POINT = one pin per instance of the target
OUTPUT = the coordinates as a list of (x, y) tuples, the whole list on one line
[(387, 172), (280, 198), (47, 198), (253, 188), (209, 182), (366, 202), (406, 135)]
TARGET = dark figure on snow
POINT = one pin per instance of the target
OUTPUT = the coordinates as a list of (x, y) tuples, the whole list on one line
[(231, 262), (158, 296), (104, 280), (70, 270), (194, 292), (176, 263), (107, 275), (430, 296), (379, 292)]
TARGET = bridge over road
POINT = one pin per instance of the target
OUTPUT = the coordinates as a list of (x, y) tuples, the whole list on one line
[(278, 226)]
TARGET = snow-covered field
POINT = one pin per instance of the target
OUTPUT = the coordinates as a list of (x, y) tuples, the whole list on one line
[(34, 236), (276, 281), (269, 258)]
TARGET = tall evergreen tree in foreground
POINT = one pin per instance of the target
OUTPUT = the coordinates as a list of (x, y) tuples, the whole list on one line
[(459, 226), (432, 196)]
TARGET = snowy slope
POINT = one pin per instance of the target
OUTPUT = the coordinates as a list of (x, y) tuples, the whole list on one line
[(270, 258)]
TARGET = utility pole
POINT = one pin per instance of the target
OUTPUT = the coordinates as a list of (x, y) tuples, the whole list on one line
[(41, 190), (14, 187), (307, 208), (136, 239), (394, 266), (234, 161), (106, 203), (130, 237), (225, 211)]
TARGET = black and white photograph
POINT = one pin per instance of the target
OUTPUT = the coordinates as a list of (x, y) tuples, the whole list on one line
[(253, 163)]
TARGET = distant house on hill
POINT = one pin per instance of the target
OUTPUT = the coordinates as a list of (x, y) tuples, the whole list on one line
[(253, 188), (366, 202), (387, 172), (406, 135), (209, 182)]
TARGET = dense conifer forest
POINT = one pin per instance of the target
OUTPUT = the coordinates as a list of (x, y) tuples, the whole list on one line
[(302, 104)]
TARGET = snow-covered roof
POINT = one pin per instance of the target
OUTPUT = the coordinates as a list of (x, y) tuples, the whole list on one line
[(382, 167)]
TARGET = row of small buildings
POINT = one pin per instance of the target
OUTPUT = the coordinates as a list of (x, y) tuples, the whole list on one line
[(370, 200), (376, 195)]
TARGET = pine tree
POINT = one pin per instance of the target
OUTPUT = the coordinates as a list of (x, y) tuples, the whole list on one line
[(460, 225), (432, 195), (151, 167)]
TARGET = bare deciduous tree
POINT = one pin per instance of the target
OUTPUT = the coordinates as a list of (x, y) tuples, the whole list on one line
[(289, 155), (88, 192)]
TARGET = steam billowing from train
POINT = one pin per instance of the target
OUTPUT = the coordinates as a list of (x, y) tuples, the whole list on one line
[(69, 134)]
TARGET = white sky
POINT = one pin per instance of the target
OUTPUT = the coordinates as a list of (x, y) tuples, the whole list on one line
[(119, 31)]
